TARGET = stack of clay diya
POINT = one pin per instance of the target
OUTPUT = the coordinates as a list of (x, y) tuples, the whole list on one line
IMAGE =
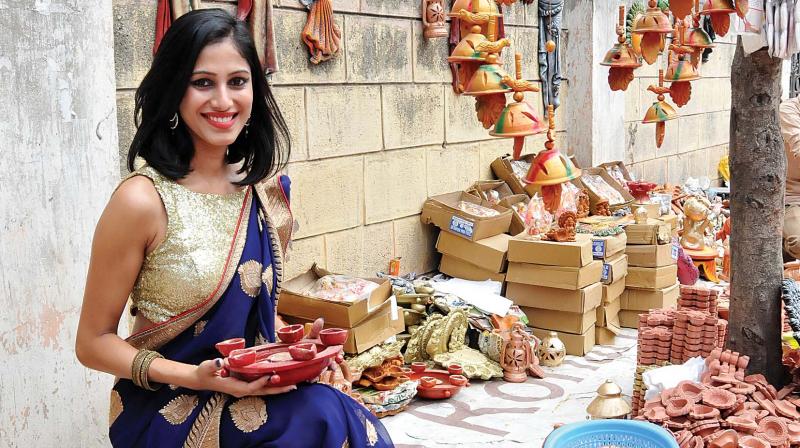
[(696, 333), (727, 409), (699, 299), (386, 376), (639, 388)]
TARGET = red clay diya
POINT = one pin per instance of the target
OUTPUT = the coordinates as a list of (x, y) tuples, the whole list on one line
[(227, 346), (290, 334), (303, 352), (333, 336), (641, 190), (443, 385)]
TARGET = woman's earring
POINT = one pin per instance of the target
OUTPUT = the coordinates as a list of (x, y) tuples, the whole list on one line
[(173, 123), (247, 128)]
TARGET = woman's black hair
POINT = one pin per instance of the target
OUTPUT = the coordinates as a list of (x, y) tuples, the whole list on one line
[(263, 150)]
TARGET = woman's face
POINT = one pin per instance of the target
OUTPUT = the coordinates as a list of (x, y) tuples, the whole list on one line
[(219, 98)]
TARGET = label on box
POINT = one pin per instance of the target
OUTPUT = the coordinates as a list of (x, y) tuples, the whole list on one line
[(462, 226), (675, 251), (393, 300), (598, 248), (606, 272)]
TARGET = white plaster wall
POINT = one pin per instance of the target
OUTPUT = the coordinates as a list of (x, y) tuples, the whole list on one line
[(58, 165)]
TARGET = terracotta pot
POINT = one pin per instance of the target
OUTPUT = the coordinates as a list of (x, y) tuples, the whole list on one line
[(303, 352), (290, 334), (333, 336), (242, 357), (458, 380), (227, 346)]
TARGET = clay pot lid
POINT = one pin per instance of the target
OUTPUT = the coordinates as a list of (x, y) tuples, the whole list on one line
[(773, 430), (703, 412), (786, 409), (742, 423), (725, 439), (656, 414), (718, 398), (753, 442)]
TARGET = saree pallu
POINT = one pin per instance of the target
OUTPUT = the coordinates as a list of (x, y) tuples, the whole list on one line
[(243, 305)]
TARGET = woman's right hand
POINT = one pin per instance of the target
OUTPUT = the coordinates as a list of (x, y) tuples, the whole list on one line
[(207, 377)]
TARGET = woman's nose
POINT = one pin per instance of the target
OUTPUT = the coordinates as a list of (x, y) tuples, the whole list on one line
[(221, 100)]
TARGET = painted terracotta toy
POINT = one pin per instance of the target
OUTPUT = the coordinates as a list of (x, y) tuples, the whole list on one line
[(433, 19), (695, 225)]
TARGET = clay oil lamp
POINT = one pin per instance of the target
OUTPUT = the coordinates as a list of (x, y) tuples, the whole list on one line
[(455, 369), (518, 119), (549, 170), (683, 437), (656, 414), (679, 406), (690, 390), (725, 439), (740, 388), (242, 357), (418, 367), (681, 72), (765, 402), (794, 432), (458, 380), (742, 423), (720, 13), (661, 111), (786, 409), (718, 398), (753, 442), (621, 59), (653, 26), (290, 334), (773, 430), (333, 336), (705, 428), (227, 346), (703, 412), (608, 403), (428, 382), (303, 352)]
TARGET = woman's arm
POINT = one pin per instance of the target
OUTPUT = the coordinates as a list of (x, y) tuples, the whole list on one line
[(132, 224)]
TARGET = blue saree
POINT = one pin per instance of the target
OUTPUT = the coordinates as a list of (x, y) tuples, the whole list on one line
[(243, 305)]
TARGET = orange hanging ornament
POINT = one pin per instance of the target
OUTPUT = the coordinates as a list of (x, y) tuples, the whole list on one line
[(653, 26), (661, 111), (720, 13), (621, 58)]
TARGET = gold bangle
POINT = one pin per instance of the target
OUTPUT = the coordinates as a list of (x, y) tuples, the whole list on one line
[(140, 368)]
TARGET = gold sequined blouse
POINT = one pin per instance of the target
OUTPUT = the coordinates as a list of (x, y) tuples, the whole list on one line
[(186, 267)]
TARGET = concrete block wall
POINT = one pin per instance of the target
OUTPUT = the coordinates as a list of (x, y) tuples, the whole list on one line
[(375, 131), (695, 142)]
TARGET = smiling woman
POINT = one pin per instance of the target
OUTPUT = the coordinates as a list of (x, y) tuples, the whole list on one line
[(196, 238)]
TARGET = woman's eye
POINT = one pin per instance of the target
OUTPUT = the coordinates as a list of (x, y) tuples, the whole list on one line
[(202, 82), (238, 82)]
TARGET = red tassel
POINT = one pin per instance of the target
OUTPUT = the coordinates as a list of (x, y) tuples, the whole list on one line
[(163, 21)]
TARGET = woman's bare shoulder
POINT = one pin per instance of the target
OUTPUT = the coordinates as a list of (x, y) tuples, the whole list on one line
[(136, 205)]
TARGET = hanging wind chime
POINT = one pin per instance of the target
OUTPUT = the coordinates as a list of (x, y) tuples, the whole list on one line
[(621, 58), (661, 111)]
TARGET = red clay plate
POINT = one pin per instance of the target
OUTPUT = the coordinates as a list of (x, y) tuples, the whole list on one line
[(288, 372)]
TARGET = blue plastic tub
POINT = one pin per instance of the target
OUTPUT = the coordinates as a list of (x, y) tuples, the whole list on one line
[(610, 434)]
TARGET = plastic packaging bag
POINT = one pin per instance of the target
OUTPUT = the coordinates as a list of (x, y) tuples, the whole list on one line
[(662, 378), (341, 288)]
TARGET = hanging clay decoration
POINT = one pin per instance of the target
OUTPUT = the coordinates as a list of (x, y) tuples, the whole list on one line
[(720, 13), (433, 19), (321, 34), (681, 71), (660, 111), (622, 60), (548, 45), (680, 8), (653, 25)]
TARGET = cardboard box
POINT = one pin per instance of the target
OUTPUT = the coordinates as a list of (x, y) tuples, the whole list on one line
[(456, 267), (488, 253), (651, 278), (562, 321), (482, 188), (555, 276), (652, 255), (619, 165), (604, 247), (614, 290), (644, 300), (576, 253), (501, 167), (614, 269), (383, 323), (443, 212), (653, 210), (654, 232), (576, 344), (573, 301), (595, 197), (338, 314), (629, 319), (607, 335), (517, 221), (670, 219), (608, 314)]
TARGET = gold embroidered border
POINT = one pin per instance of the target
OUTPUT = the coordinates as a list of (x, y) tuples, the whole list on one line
[(179, 409), (205, 430), (154, 337), (250, 277), (248, 413), (277, 208), (115, 407)]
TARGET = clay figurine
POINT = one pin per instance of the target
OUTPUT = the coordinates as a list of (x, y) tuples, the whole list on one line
[(433, 22), (695, 224), (517, 357)]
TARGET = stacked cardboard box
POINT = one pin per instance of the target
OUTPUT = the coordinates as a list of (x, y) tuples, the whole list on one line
[(473, 260), (558, 286), (611, 251), (652, 280)]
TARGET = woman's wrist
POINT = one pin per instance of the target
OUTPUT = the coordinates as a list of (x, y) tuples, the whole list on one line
[(174, 373)]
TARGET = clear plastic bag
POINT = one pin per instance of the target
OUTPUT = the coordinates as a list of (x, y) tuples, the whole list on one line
[(341, 288)]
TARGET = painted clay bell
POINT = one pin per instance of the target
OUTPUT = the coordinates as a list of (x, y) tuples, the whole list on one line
[(488, 79), (551, 351), (478, 7), (681, 70), (518, 119), (609, 403), (466, 50), (720, 13), (551, 167), (621, 58), (653, 26)]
